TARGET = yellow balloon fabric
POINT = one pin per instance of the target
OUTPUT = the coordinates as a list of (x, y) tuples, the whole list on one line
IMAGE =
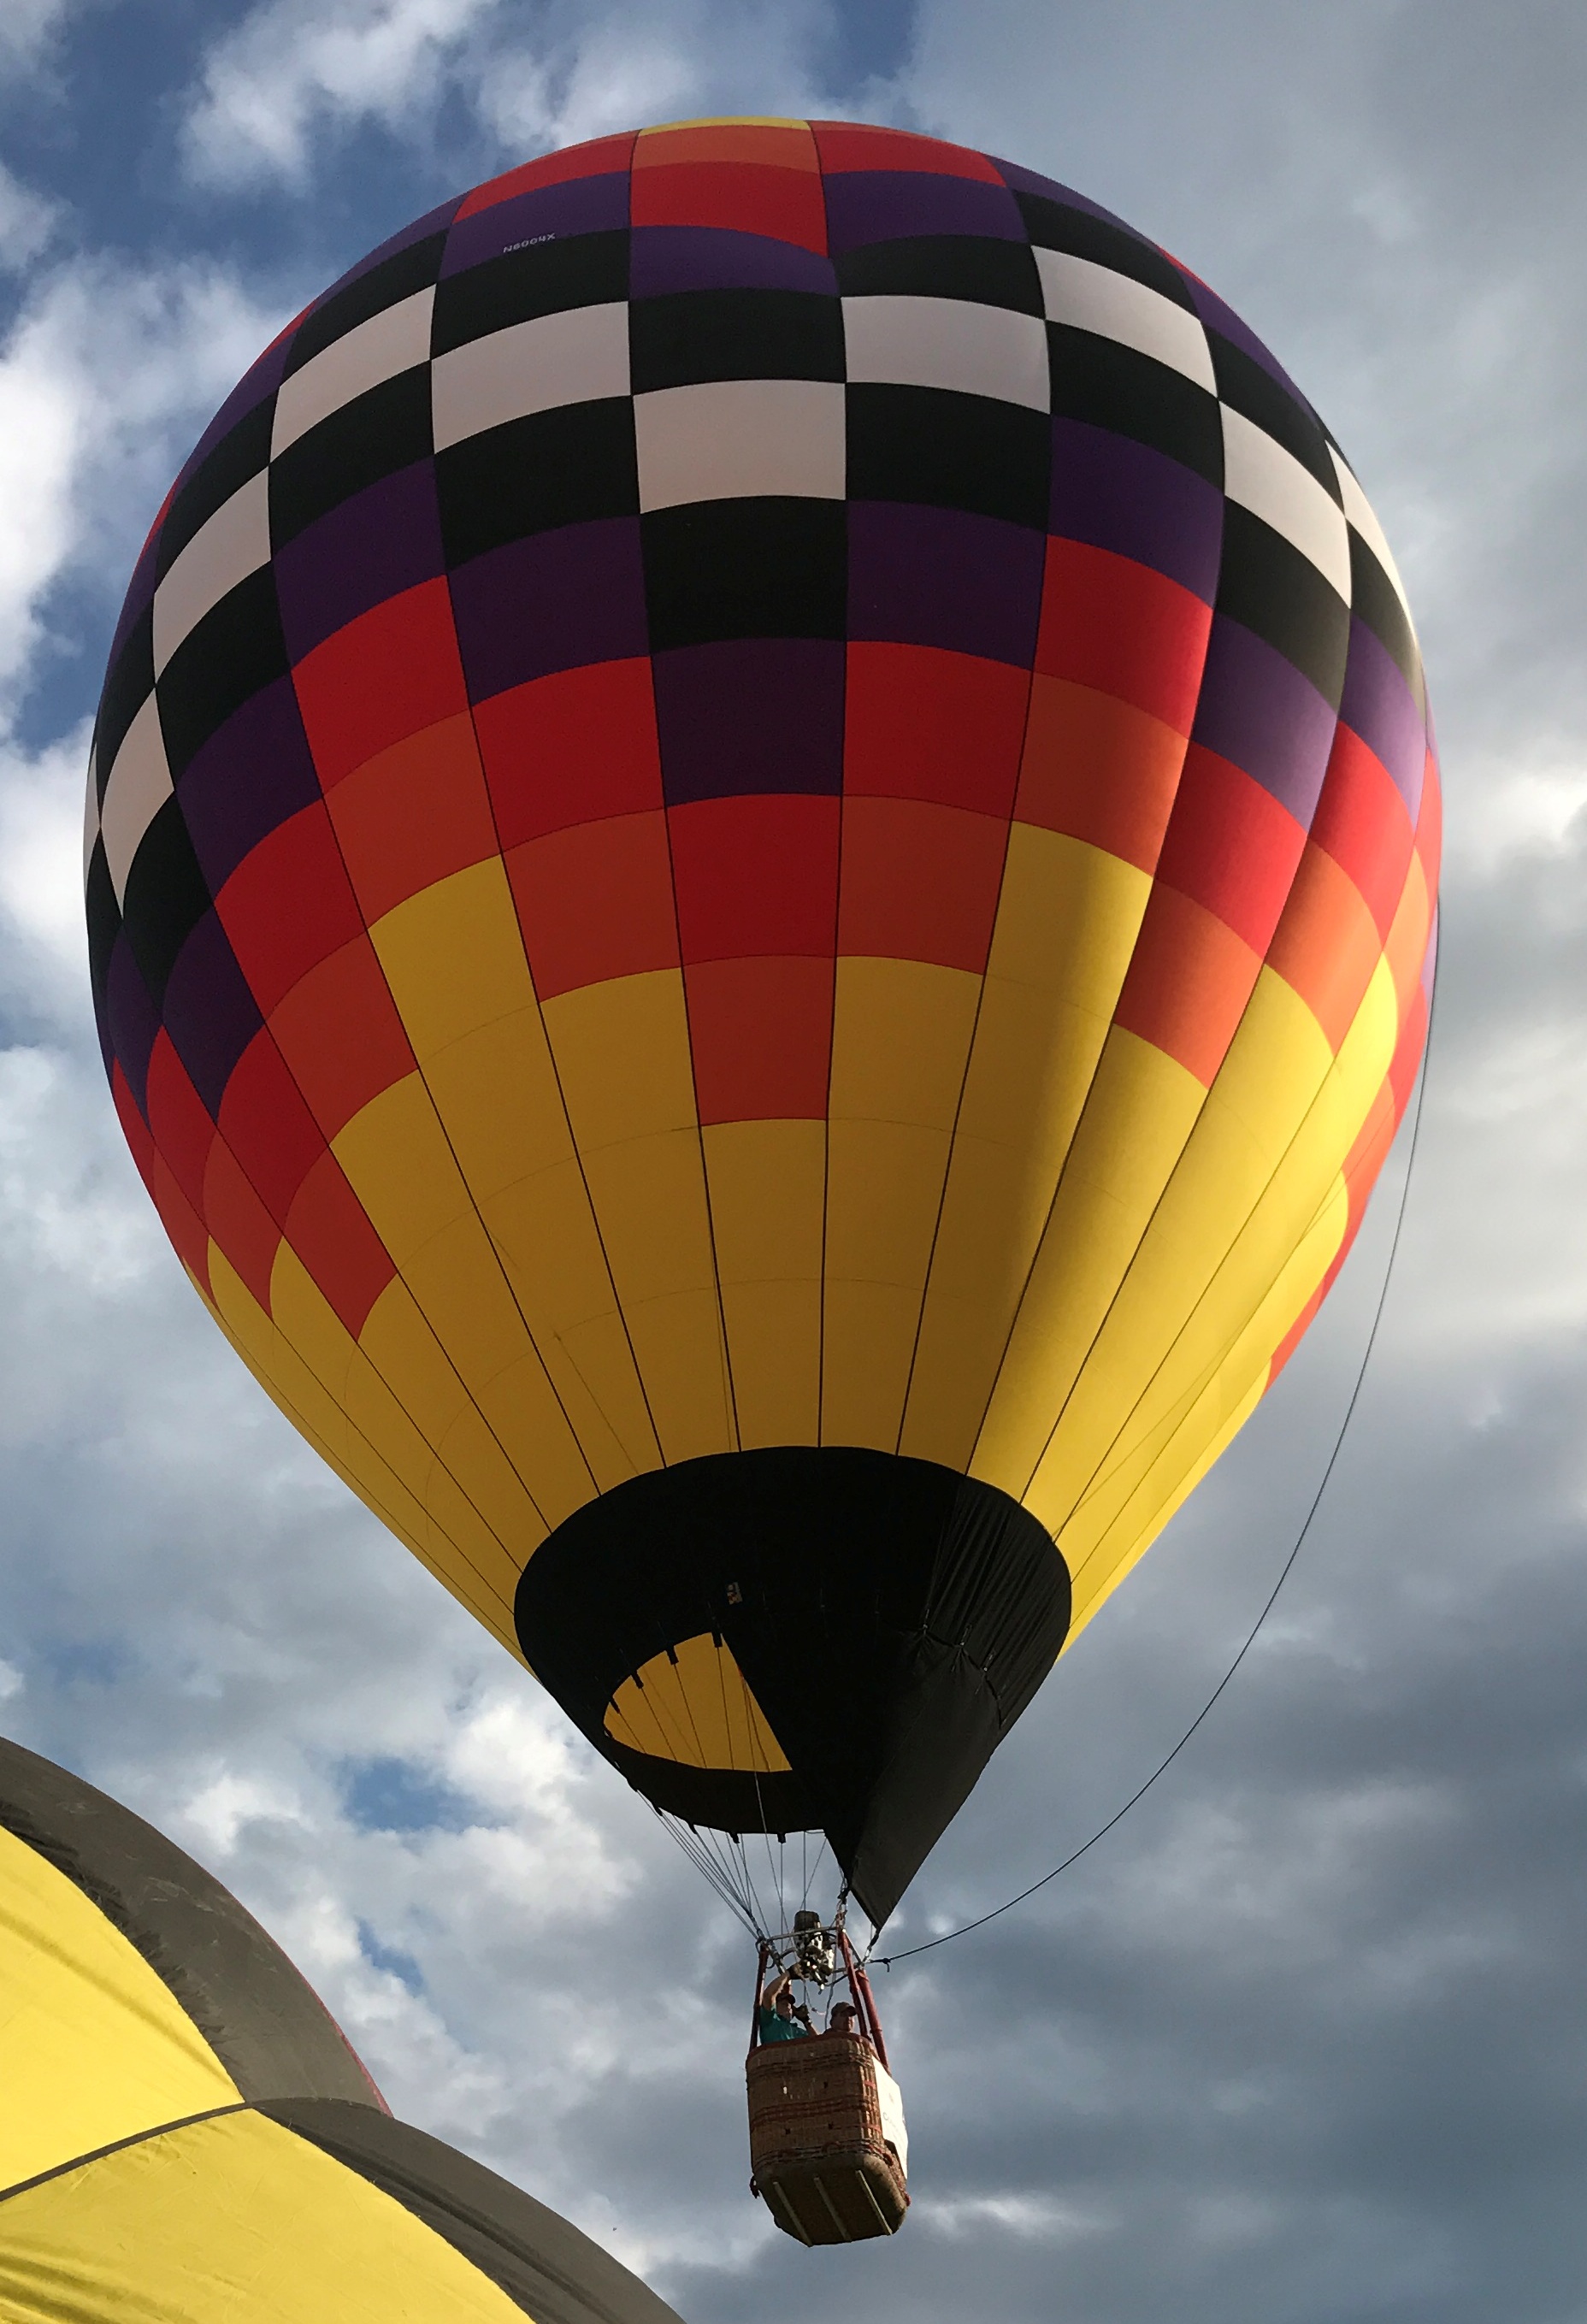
[(186, 2137), (228, 2219), (93, 2046)]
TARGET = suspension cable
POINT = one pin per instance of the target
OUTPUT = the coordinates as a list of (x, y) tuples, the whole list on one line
[(693, 1845), (886, 1960)]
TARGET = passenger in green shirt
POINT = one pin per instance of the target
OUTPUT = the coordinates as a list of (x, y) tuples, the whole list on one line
[(779, 2019)]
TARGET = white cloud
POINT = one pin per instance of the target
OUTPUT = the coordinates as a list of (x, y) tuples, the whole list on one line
[(27, 221), (294, 65), (618, 76), (60, 1222), (1025, 2218), (41, 445), (27, 30), (228, 1803), (44, 969), (297, 73), (624, 67), (106, 376)]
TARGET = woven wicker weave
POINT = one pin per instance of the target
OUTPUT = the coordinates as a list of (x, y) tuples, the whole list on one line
[(816, 2147)]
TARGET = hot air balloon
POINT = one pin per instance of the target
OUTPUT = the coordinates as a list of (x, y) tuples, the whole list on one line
[(187, 2134), (760, 860)]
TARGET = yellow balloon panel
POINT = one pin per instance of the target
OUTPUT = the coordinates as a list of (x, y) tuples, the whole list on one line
[(93, 2047), (693, 1706), (1066, 923), (622, 1051), (902, 1038), (231, 2221), (767, 1182), (1155, 1395)]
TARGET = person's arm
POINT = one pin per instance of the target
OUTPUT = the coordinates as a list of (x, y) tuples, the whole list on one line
[(779, 1984)]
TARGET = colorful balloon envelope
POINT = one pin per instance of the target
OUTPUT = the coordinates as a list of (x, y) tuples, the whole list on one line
[(186, 2135), (761, 862)]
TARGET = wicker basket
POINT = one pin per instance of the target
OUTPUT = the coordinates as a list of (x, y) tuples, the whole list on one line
[(817, 2146)]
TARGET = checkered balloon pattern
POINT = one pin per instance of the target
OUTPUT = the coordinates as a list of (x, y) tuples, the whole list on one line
[(765, 786)]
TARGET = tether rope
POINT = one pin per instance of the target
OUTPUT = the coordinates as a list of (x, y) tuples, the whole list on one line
[(886, 1960)]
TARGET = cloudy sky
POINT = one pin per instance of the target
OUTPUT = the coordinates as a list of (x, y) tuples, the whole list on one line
[(1303, 2042)]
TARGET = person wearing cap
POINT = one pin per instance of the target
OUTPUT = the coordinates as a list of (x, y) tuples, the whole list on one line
[(845, 2019), (780, 2019)]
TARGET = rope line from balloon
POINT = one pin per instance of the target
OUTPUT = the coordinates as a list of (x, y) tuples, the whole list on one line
[(886, 1960), (705, 1861)]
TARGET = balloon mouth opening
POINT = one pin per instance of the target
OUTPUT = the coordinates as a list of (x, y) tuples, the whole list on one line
[(799, 1639)]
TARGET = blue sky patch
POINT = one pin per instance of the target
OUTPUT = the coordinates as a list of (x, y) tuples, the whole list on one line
[(391, 1958), (389, 1795)]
